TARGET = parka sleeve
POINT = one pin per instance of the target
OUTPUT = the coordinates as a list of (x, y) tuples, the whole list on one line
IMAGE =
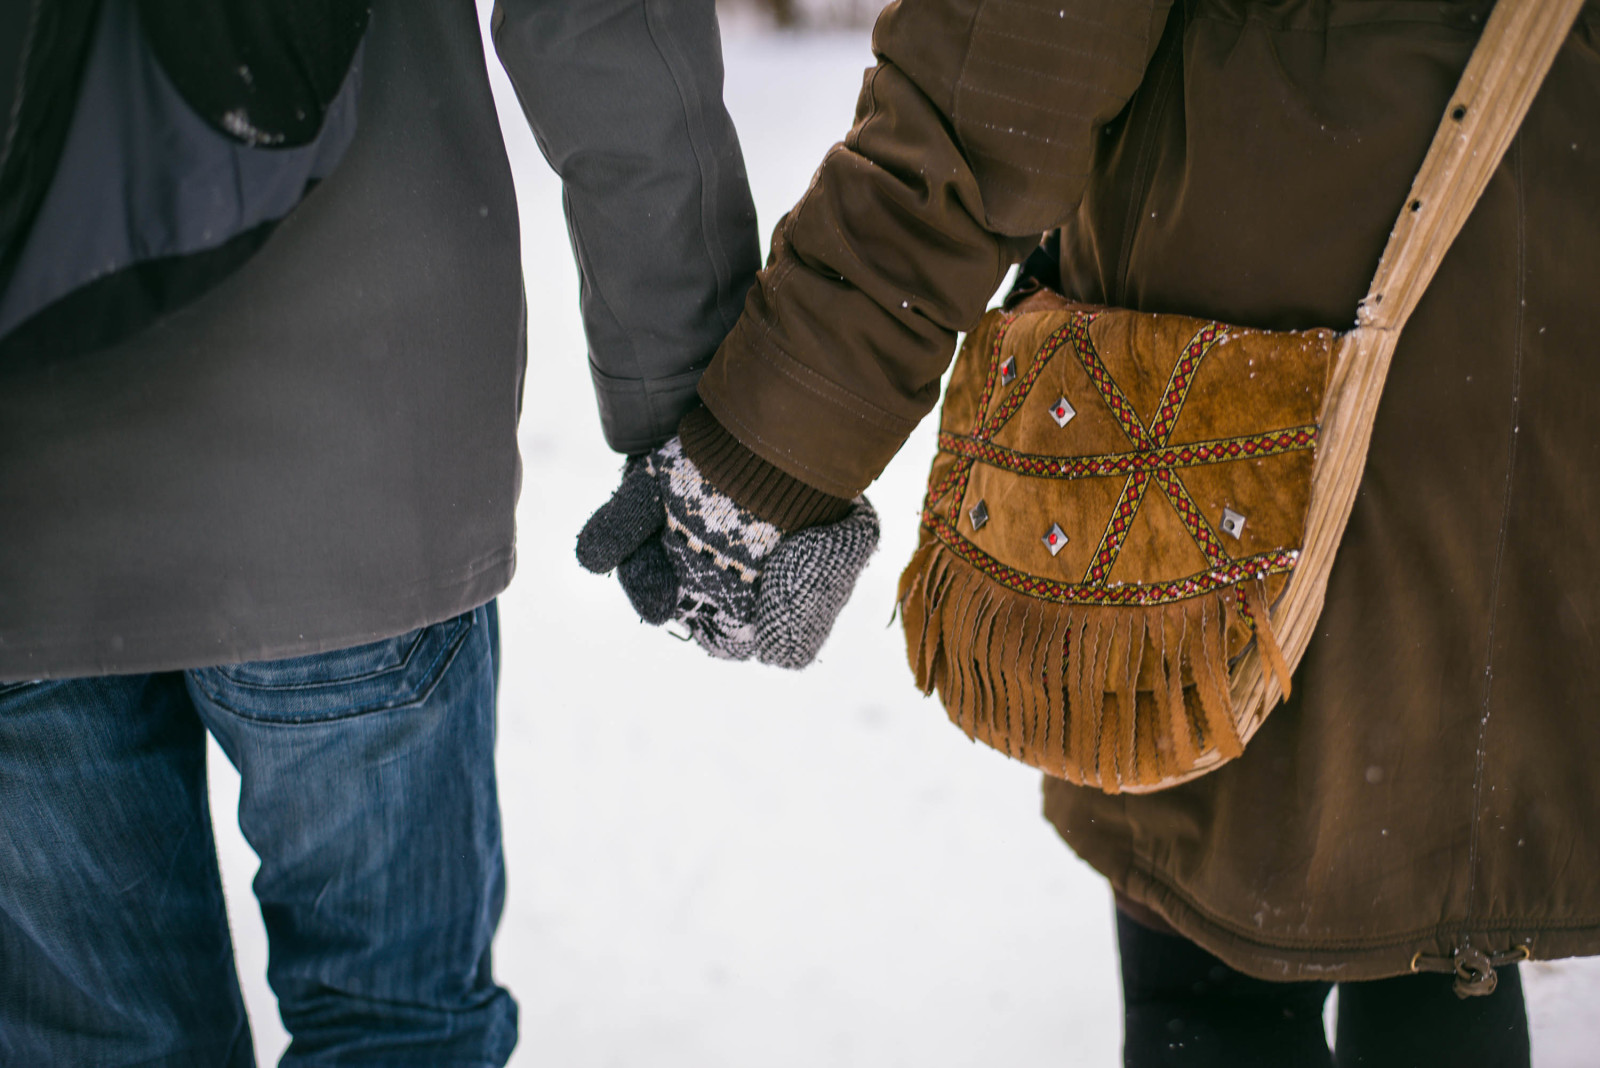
[(973, 135), (625, 101)]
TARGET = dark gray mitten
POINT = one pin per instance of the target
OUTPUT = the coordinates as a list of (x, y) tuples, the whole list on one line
[(806, 582), (623, 534)]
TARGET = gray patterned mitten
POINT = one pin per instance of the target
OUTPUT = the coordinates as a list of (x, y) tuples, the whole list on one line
[(806, 582), (742, 587), (717, 549)]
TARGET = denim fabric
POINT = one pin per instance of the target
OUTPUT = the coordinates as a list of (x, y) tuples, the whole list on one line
[(367, 789)]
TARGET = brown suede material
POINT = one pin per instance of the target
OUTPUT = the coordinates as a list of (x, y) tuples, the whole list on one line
[(1159, 547), (1430, 784), (1021, 515), (1249, 382), (1142, 696)]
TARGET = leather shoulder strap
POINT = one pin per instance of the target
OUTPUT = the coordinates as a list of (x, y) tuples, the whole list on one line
[(1519, 43)]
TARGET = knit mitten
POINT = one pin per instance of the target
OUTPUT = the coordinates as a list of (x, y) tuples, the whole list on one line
[(807, 580), (739, 585)]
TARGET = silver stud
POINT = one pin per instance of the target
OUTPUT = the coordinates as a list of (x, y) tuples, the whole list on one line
[(1008, 371), (1055, 540), (1062, 412), (1232, 523), (979, 514)]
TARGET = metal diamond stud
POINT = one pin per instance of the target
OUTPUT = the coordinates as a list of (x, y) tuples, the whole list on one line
[(1008, 371), (1062, 412), (1232, 523), (979, 514), (1056, 540)]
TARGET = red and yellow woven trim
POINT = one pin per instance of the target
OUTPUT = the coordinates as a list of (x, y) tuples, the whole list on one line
[(1182, 375), (1119, 464), (1053, 344), (1277, 562), (1152, 460), (1193, 520), (1110, 547), (992, 379)]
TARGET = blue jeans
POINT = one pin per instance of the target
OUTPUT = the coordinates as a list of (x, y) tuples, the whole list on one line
[(368, 791)]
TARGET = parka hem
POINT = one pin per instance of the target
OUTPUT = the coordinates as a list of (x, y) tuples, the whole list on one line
[(1357, 959)]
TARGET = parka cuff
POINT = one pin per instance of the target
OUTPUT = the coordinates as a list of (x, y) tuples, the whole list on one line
[(756, 485)]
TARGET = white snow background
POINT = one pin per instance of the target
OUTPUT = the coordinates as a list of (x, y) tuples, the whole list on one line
[(716, 864)]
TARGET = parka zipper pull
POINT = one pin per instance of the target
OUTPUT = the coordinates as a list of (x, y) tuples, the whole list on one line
[(1475, 974), (1474, 970)]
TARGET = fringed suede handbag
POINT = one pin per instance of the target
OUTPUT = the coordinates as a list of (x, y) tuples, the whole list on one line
[(1131, 518)]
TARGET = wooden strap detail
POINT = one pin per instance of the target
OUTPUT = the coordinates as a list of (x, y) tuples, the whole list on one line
[(1519, 44), (1503, 76)]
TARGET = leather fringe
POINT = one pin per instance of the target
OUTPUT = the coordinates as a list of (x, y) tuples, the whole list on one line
[(1111, 697)]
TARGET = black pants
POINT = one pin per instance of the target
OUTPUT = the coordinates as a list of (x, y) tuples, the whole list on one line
[(1184, 1008)]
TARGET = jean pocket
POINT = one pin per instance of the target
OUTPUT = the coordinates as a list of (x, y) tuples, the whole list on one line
[(380, 675)]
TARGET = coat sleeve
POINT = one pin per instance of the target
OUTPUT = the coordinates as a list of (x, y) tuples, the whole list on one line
[(973, 135), (625, 100)]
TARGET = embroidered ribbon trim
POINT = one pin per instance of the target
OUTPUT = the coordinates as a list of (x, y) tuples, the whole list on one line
[(1119, 464), (1276, 562)]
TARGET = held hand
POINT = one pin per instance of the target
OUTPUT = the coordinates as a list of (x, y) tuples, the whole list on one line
[(683, 550), (807, 580), (624, 535)]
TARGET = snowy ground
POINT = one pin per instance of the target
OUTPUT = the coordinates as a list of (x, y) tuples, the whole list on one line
[(720, 865)]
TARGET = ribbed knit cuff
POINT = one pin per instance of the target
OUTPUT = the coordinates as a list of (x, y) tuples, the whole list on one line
[(773, 495)]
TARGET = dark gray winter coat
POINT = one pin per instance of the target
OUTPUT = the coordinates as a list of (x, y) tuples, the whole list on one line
[(260, 381)]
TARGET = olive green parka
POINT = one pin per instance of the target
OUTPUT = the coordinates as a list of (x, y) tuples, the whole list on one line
[(1429, 794)]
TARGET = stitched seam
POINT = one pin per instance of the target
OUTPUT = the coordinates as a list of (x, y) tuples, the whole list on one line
[(1440, 930), (268, 687), (830, 391), (1194, 520), (1118, 464), (1121, 408), (1500, 547), (14, 120), (1273, 562), (575, 229), (650, 399), (434, 673), (780, 274), (961, 472), (1179, 382), (1033, 105), (1116, 532), (1071, 50), (1141, 174), (1060, 79), (1075, 17), (978, 152), (1011, 131), (1007, 409), (708, 225), (961, 71), (1256, 18)]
